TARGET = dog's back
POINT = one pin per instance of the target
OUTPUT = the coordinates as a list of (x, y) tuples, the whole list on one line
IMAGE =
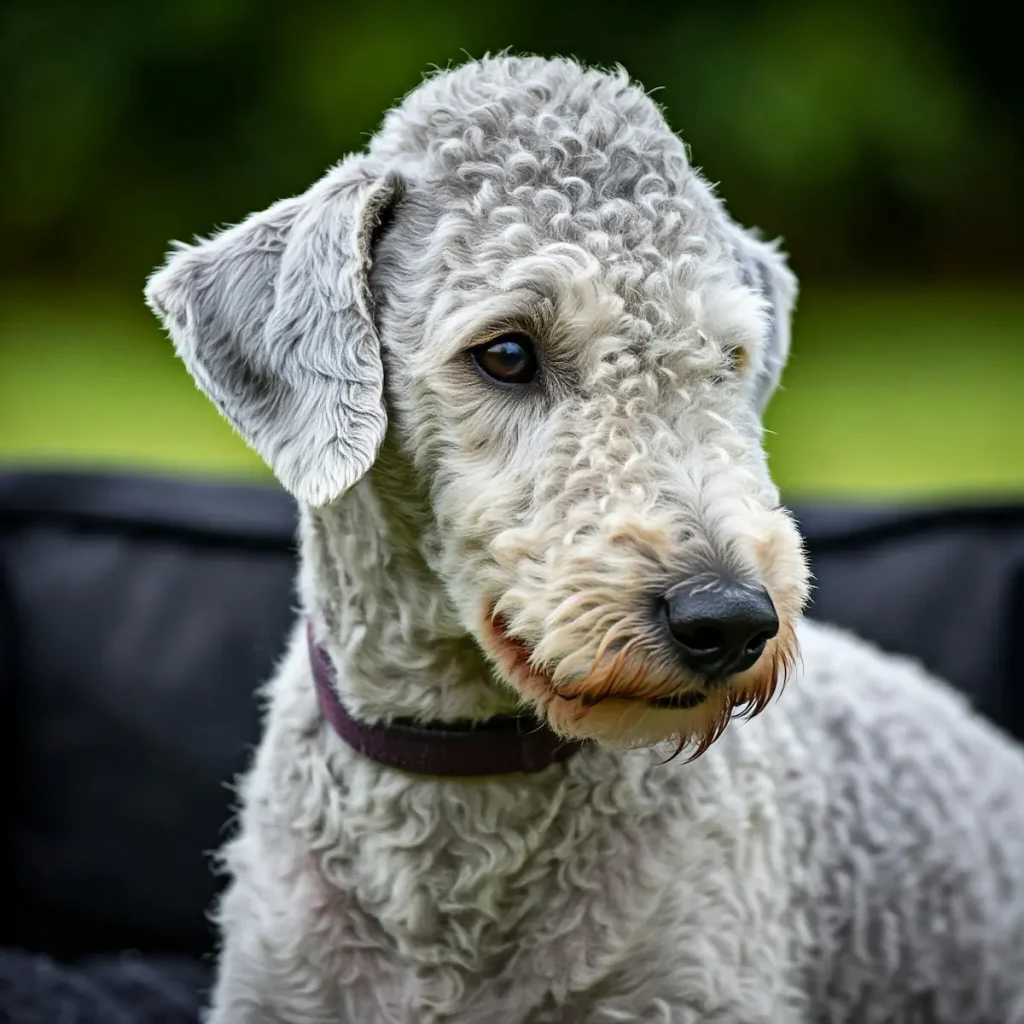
[(920, 915)]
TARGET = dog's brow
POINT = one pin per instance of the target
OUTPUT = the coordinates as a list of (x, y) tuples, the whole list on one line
[(469, 323)]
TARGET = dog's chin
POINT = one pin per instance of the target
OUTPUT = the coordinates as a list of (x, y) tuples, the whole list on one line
[(592, 709)]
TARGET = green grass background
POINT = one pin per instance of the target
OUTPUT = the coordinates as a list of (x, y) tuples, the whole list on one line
[(905, 394)]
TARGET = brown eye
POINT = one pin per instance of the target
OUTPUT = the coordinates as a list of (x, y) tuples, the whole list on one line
[(509, 358), (738, 359)]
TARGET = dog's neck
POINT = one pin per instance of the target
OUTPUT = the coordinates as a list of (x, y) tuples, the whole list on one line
[(383, 616), (387, 625)]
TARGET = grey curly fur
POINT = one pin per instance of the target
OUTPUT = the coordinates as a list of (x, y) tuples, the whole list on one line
[(853, 854)]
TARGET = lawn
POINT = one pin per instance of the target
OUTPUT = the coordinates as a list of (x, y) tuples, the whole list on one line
[(903, 394)]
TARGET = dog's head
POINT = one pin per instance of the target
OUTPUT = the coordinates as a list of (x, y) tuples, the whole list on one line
[(573, 344)]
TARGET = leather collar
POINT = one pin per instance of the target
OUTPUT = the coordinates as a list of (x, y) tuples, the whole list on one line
[(498, 746)]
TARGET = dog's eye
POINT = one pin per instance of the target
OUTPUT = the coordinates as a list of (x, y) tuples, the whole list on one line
[(735, 363), (738, 359), (509, 358)]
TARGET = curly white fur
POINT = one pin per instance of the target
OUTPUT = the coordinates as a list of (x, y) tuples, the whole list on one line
[(856, 853)]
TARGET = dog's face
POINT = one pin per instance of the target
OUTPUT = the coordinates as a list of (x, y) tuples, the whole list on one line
[(574, 345)]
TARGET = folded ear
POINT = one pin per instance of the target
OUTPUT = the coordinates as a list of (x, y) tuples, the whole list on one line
[(273, 319), (765, 269)]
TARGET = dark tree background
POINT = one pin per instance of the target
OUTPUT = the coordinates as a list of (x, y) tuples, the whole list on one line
[(881, 138)]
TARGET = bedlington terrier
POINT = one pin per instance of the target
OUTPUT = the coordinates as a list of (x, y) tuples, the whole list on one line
[(511, 360)]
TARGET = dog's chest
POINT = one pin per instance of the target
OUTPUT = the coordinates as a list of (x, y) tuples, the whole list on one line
[(545, 903)]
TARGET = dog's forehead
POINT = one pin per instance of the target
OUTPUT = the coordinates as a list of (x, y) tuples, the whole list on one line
[(540, 177), (506, 95), (507, 125)]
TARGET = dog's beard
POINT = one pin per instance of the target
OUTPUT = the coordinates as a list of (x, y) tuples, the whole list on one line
[(619, 696)]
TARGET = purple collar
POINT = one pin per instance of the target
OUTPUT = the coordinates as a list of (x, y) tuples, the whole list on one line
[(498, 746)]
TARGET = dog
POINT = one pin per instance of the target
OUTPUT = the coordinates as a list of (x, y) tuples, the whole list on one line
[(512, 361)]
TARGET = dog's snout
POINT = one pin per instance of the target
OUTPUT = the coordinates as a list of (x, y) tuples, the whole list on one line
[(720, 630)]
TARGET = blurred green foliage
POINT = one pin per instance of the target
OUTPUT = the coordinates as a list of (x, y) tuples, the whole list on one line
[(878, 399), (882, 138)]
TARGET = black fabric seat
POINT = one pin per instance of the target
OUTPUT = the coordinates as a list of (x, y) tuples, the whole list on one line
[(137, 615)]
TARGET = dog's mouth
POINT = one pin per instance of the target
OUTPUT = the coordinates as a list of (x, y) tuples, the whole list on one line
[(516, 659), (678, 700), (620, 702)]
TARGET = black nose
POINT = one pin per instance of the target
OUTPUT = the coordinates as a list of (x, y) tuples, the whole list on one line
[(722, 629)]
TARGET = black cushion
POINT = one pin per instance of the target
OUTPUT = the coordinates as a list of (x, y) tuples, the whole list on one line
[(945, 586), (138, 615), (121, 989)]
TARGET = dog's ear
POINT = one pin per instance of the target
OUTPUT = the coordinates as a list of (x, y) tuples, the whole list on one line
[(765, 269), (274, 320)]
